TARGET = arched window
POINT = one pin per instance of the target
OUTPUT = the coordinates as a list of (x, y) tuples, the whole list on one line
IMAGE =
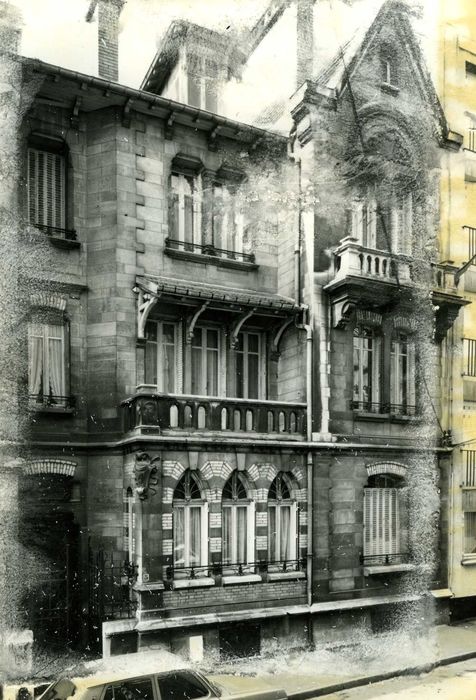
[(282, 521), (367, 369), (237, 522), (189, 523), (385, 519), (402, 375)]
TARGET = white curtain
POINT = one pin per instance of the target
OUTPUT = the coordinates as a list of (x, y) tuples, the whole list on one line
[(35, 364), (179, 536), (195, 514), (55, 361), (241, 534), (272, 533), (285, 532), (227, 534)]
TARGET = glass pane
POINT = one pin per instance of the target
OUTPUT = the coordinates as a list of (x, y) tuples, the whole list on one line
[(179, 536), (35, 366), (212, 338), (168, 333), (139, 689), (253, 376), (212, 373), (253, 342), (193, 91), (151, 330), (174, 231), (272, 533), (197, 379), (241, 533), (168, 373), (239, 376), (181, 686), (188, 218), (55, 365), (195, 536), (285, 533), (150, 370), (226, 534)]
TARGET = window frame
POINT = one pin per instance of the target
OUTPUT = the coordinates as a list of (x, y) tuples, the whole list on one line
[(227, 217), (187, 504), (385, 504), (233, 504), (376, 367), (193, 238), (397, 400), (33, 332), (159, 353), (261, 365), (221, 361), (35, 201)]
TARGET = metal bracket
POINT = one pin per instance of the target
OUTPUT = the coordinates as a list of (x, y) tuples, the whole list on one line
[(236, 328), (277, 337), (145, 302), (193, 320)]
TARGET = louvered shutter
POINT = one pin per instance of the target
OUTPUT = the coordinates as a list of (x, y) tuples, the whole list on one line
[(381, 521), (46, 188)]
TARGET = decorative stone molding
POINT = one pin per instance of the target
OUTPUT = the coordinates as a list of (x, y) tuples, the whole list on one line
[(368, 318), (386, 468), (402, 323), (299, 475), (50, 466), (48, 301), (211, 469)]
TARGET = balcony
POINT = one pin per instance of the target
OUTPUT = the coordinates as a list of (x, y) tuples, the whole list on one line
[(151, 413), (60, 237), (387, 410), (209, 254)]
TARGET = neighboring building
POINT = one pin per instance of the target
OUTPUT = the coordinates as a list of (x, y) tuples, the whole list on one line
[(456, 83), (229, 448)]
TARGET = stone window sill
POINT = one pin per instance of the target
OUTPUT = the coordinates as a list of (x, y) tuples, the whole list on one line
[(387, 569), (245, 578), (468, 560), (190, 256), (193, 582), (286, 575)]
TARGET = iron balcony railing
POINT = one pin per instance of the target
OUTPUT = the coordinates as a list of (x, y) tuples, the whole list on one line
[(471, 233), (50, 400), (472, 138), (397, 409), (56, 232), (385, 559), (208, 249), (223, 568), (469, 348), (183, 412)]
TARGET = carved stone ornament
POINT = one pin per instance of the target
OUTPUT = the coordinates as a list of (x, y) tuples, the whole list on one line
[(145, 474)]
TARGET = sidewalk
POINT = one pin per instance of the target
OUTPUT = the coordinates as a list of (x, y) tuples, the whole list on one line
[(445, 645)]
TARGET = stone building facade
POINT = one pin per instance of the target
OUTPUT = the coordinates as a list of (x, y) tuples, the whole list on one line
[(228, 445)]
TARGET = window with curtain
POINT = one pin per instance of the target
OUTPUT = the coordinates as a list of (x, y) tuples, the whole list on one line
[(46, 188), (185, 209), (161, 355), (236, 522), (402, 375), (46, 363), (227, 219), (188, 523), (206, 361), (367, 344), (385, 514), (248, 362), (282, 521)]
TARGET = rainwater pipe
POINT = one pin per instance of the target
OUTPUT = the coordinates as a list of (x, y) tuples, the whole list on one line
[(307, 327)]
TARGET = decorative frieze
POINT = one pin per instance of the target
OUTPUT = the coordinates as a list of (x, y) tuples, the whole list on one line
[(403, 323)]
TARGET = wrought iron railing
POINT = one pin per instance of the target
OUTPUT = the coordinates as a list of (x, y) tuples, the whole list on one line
[(52, 401), (385, 559), (208, 249), (471, 233), (183, 412), (111, 577), (398, 409), (469, 348), (223, 568), (66, 234), (472, 138)]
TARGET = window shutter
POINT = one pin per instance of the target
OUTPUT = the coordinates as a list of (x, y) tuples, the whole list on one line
[(46, 188)]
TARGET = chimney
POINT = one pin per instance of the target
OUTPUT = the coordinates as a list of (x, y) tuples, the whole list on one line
[(10, 28), (108, 35), (304, 41)]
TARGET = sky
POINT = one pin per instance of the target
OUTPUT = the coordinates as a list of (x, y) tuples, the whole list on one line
[(56, 31)]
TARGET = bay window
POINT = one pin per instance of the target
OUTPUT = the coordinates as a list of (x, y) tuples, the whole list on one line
[(46, 363), (367, 345), (206, 362), (46, 188), (185, 208), (249, 365), (402, 375), (237, 522), (282, 521), (189, 523), (162, 343), (384, 518)]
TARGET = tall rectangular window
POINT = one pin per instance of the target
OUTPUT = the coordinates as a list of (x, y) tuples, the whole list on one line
[(227, 219), (161, 341), (367, 369), (187, 535), (205, 362), (248, 360), (281, 532), (381, 521), (185, 208), (46, 363), (46, 188), (402, 375), (235, 534)]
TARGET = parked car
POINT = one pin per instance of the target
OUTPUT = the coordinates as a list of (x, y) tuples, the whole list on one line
[(182, 684)]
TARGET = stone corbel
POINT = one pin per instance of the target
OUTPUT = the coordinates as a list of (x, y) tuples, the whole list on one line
[(126, 114), (145, 474), (279, 332), (192, 321), (145, 302), (75, 112), (169, 126), (236, 327), (212, 139), (342, 312)]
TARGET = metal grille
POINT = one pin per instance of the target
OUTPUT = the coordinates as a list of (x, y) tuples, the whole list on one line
[(110, 579), (471, 233), (469, 347)]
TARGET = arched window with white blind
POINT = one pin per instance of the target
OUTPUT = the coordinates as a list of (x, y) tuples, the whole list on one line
[(237, 522), (282, 522), (190, 532), (385, 519)]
